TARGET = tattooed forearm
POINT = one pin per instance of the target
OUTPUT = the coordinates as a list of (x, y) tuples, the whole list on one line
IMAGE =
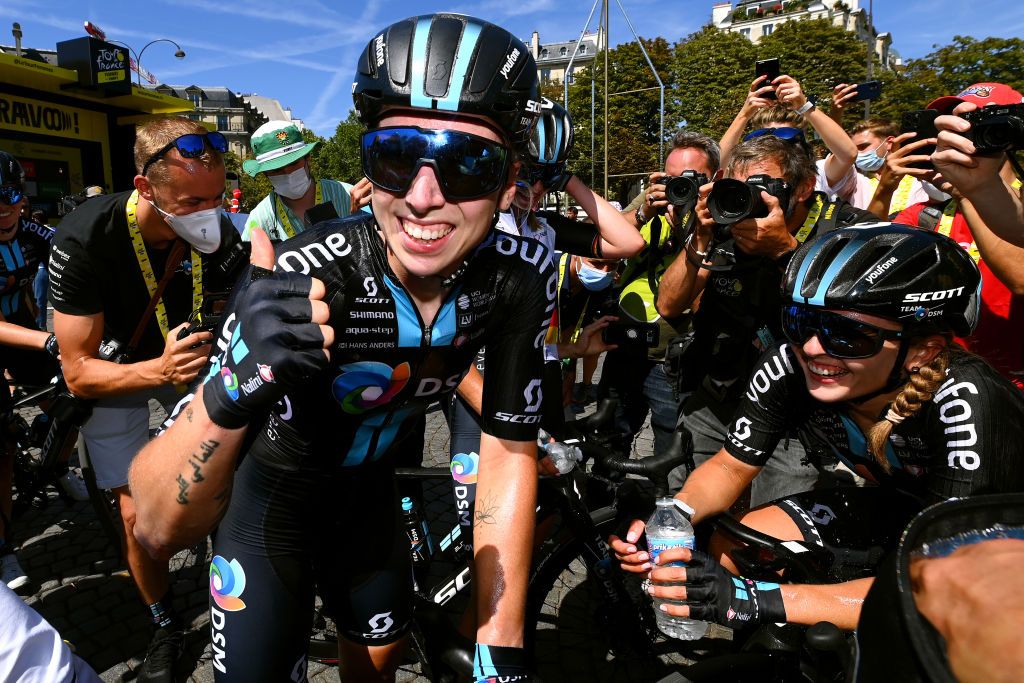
[(485, 511), (207, 449), (188, 413), (223, 498), (182, 490)]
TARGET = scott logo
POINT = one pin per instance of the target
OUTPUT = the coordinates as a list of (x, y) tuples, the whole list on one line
[(370, 285), (741, 430), (533, 395), (933, 296), (379, 625), (822, 514)]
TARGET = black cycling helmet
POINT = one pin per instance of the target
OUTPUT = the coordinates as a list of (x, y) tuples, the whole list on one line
[(917, 277), (11, 172), (449, 63), (551, 139)]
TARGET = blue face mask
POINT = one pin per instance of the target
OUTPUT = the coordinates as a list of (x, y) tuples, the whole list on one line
[(593, 279), (869, 162)]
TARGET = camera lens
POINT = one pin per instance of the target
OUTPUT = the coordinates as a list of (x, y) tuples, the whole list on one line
[(730, 201), (680, 191), (999, 133)]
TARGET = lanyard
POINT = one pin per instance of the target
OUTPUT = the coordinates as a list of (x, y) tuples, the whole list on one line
[(139, 247), (901, 198), (812, 220), (289, 222)]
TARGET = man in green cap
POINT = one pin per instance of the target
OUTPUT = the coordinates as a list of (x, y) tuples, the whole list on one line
[(283, 155)]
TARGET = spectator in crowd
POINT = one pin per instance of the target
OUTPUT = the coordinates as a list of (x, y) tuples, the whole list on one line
[(635, 375), (42, 282), (738, 315), (102, 255), (282, 154), (572, 213), (875, 140), (788, 116), (978, 177), (998, 337)]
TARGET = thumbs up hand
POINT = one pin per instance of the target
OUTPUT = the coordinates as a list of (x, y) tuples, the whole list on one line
[(279, 339)]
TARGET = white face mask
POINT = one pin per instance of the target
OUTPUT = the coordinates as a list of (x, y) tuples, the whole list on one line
[(934, 193), (291, 185), (201, 229)]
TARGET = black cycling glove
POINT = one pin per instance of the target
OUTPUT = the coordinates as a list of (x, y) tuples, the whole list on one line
[(274, 347), (492, 663), (714, 594)]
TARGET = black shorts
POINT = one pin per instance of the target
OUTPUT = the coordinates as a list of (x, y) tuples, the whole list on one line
[(859, 525), (287, 533)]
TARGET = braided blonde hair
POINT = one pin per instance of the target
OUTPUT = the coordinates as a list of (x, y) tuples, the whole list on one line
[(923, 384)]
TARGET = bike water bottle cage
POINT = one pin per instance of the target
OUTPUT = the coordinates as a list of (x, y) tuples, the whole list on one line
[(190, 146), (9, 194), (467, 166), (840, 337)]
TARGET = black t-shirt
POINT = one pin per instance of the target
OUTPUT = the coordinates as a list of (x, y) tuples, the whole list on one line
[(93, 269), (19, 260), (739, 312), (969, 439)]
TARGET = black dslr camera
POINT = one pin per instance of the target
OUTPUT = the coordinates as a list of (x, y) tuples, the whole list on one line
[(732, 201), (996, 128), (682, 190)]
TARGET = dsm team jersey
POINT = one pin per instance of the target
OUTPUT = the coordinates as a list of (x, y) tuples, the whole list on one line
[(388, 365), (968, 439), (19, 260)]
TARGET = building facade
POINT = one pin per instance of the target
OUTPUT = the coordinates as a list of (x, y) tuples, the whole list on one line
[(221, 109), (553, 58), (758, 18)]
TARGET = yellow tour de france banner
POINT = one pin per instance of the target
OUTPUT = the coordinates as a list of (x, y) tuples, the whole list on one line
[(47, 118)]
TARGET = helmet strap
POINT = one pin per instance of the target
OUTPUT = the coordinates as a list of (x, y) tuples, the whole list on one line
[(896, 376)]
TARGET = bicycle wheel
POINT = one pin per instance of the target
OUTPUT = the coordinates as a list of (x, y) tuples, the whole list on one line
[(574, 634)]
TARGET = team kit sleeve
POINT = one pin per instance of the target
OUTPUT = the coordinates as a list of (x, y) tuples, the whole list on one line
[(512, 392), (761, 419), (76, 280)]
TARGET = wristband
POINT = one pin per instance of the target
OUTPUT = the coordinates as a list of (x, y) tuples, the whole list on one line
[(492, 663), (640, 218), (50, 346), (806, 107)]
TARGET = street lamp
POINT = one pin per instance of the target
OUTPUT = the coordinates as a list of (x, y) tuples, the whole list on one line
[(180, 54)]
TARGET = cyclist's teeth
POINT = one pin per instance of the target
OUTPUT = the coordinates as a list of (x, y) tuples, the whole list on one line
[(426, 234), (826, 371)]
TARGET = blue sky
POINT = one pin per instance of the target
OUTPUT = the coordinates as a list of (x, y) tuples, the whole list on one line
[(303, 52)]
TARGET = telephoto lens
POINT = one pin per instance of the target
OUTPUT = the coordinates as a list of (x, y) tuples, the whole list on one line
[(997, 129), (733, 200)]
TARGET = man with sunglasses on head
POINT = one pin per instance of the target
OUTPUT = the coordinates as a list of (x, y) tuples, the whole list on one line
[(867, 372), (110, 260), (737, 276), (330, 360), (298, 199)]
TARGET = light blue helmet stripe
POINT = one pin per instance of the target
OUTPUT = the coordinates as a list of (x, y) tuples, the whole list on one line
[(833, 269), (559, 139), (804, 267), (417, 93), (541, 139)]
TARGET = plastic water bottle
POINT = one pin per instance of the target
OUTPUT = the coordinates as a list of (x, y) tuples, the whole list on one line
[(669, 528)]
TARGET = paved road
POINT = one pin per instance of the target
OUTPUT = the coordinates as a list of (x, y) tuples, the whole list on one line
[(79, 587)]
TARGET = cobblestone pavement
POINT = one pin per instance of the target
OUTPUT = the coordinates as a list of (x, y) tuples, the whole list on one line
[(79, 585)]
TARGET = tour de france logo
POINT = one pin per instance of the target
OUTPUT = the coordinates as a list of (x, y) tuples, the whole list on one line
[(368, 384), (227, 581), (464, 467)]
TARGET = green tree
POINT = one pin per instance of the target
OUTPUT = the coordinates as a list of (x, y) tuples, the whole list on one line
[(949, 69), (338, 156), (253, 189), (711, 71)]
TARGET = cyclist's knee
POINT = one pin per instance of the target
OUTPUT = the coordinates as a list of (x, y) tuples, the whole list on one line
[(769, 519), (362, 662)]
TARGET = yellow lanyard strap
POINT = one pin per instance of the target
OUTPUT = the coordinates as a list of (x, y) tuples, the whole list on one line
[(288, 220), (812, 219), (142, 256)]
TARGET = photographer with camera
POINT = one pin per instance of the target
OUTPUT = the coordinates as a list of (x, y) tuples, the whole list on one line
[(131, 268), (780, 108), (997, 338), (979, 175), (748, 226), (636, 374)]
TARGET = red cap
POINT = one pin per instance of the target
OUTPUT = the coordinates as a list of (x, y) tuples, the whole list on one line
[(981, 94)]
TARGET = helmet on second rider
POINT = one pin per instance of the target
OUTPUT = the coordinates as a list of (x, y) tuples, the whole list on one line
[(449, 63), (11, 171), (551, 139), (921, 279)]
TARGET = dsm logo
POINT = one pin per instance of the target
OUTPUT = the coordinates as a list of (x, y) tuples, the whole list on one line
[(368, 384), (227, 581)]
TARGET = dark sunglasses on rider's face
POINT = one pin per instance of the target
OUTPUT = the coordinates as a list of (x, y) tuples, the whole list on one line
[(467, 166), (549, 175), (839, 336), (190, 146), (9, 194), (784, 133)]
